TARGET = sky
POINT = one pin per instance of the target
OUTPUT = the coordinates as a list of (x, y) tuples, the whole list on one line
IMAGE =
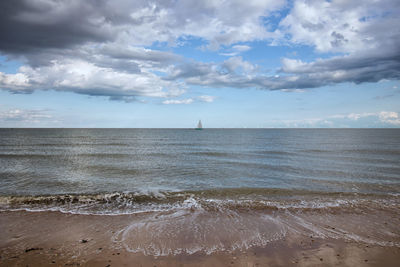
[(170, 63)]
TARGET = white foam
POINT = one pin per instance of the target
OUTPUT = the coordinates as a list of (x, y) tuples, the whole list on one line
[(188, 232)]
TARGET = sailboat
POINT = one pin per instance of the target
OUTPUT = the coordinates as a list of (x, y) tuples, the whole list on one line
[(199, 126)]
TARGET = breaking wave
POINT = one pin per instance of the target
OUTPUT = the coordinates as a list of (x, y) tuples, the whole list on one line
[(207, 221), (234, 199)]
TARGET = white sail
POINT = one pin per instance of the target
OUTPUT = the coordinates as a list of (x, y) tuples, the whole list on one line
[(199, 125)]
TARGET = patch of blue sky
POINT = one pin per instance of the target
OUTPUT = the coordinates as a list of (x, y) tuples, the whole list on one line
[(271, 21), (196, 49), (266, 56), (189, 47), (159, 73), (9, 66)]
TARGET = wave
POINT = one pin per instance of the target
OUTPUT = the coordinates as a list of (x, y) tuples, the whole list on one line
[(232, 219), (212, 200)]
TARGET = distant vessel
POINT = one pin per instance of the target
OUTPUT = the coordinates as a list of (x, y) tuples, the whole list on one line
[(199, 126)]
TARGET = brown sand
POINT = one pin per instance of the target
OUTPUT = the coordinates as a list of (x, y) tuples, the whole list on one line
[(56, 239)]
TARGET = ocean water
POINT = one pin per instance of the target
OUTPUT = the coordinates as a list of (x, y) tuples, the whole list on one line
[(261, 184)]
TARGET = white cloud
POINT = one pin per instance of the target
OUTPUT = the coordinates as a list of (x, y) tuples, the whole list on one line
[(365, 33), (228, 54), (87, 78), (294, 90), (19, 82), (202, 98), (21, 114), (355, 116), (241, 48), (389, 117), (235, 64), (365, 119), (26, 117), (218, 22), (341, 26), (235, 50), (293, 65), (178, 102), (206, 98)]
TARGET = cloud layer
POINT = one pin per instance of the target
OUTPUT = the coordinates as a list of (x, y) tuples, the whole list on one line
[(31, 117), (368, 120), (98, 47)]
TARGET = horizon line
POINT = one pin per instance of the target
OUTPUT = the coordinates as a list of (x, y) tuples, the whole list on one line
[(192, 128)]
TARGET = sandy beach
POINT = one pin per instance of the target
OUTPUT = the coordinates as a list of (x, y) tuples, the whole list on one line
[(57, 239)]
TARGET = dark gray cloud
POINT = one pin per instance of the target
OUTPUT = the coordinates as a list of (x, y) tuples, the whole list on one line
[(295, 74), (30, 26), (357, 68), (137, 53)]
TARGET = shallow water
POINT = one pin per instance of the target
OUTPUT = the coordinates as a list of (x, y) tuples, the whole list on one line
[(210, 190)]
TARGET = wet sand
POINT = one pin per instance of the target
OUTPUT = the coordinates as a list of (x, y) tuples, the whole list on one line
[(58, 239)]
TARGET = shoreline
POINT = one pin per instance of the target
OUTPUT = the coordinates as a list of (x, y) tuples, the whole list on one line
[(59, 239)]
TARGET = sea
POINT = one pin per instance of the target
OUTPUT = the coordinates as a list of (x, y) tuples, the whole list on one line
[(213, 189)]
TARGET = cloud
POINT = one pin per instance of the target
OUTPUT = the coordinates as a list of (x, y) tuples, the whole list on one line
[(31, 25), (235, 50), (101, 47), (20, 114), (178, 102), (386, 117), (206, 98), (124, 52), (295, 74), (35, 117), (202, 98), (97, 47), (235, 64), (241, 48), (366, 119), (233, 72), (356, 68), (342, 26), (84, 77), (389, 117), (28, 26), (365, 32), (363, 36), (18, 82), (293, 90)]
